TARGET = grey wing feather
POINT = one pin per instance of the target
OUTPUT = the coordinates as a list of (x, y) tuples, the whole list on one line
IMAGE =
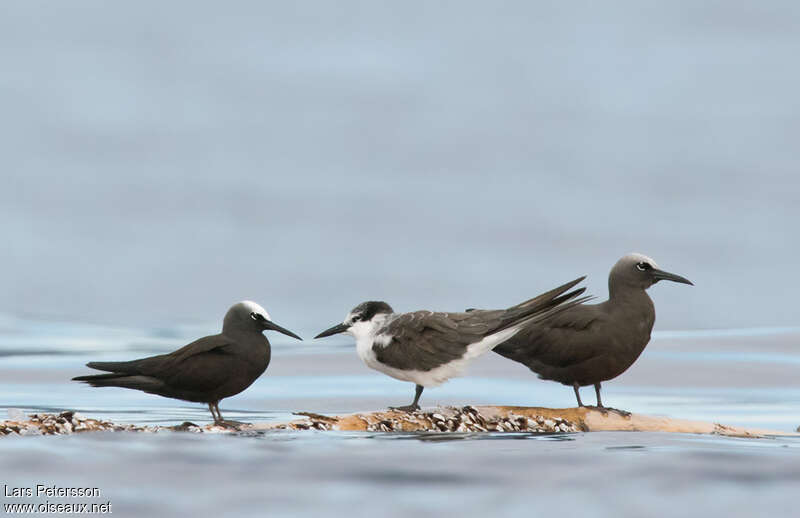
[(423, 340)]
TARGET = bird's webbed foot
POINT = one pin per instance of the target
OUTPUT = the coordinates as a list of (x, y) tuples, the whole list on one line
[(606, 409), (408, 408), (231, 425), (414, 406)]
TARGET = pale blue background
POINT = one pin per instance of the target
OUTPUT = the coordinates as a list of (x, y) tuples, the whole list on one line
[(161, 161)]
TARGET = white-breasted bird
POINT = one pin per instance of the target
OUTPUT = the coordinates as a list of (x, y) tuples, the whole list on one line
[(428, 348)]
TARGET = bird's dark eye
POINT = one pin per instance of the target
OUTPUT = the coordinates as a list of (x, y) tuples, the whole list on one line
[(356, 318), (257, 316), (643, 266)]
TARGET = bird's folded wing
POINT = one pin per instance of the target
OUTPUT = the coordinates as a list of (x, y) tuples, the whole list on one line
[(201, 365), (561, 340), (155, 365), (199, 347), (205, 371), (424, 340)]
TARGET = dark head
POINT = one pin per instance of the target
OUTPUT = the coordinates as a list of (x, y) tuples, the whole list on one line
[(364, 319), (638, 271), (249, 316)]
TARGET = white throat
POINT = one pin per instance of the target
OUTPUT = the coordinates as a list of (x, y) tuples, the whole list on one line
[(367, 329), (364, 331)]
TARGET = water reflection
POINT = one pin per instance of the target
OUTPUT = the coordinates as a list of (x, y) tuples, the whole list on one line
[(469, 436)]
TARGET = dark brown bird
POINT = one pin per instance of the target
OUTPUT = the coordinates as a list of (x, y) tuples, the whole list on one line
[(205, 371), (588, 344)]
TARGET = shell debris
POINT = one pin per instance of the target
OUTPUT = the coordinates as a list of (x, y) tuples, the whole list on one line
[(467, 419), (65, 423)]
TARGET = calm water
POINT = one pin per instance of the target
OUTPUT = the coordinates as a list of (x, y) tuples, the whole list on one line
[(691, 375), (160, 162)]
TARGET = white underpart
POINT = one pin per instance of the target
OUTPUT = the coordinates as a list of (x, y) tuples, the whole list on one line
[(365, 335), (255, 308)]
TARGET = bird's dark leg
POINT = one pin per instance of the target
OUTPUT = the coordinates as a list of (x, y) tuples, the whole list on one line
[(577, 389), (413, 406), (597, 391), (213, 413), (605, 410), (220, 421)]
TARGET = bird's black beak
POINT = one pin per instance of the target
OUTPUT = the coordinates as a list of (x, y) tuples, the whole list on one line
[(661, 275), (335, 330), (272, 326)]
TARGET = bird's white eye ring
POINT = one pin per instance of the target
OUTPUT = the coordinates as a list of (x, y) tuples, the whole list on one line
[(643, 266)]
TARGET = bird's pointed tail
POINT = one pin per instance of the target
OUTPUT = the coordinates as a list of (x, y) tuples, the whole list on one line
[(513, 319), (122, 380), (120, 374), (543, 306)]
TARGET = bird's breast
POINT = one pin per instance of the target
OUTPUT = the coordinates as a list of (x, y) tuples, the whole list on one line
[(365, 352), (257, 357)]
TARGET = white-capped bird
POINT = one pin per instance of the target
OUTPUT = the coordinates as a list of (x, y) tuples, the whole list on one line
[(207, 370)]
